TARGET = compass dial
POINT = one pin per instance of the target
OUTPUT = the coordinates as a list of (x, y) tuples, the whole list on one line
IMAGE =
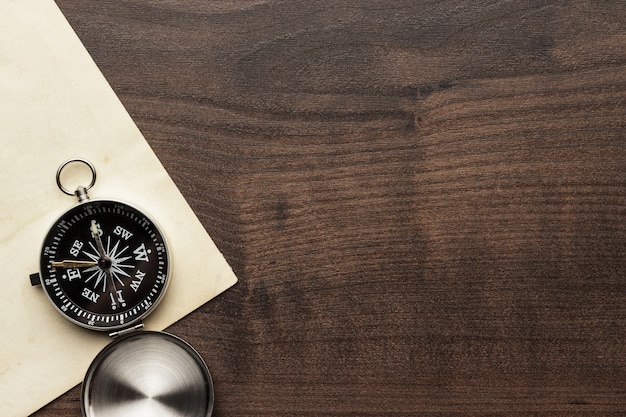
[(104, 265)]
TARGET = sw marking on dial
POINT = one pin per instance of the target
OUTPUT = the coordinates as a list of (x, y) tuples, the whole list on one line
[(104, 264)]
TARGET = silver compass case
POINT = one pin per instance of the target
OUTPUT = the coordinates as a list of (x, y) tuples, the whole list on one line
[(140, 373), (147, 374)]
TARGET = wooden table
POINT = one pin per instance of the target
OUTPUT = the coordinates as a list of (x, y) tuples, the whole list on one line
[(424, 201)]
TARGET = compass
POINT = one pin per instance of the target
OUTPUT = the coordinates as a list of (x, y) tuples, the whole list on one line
[(104, 264)]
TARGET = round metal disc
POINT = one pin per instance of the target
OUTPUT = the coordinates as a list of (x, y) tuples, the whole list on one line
[(148, 374)]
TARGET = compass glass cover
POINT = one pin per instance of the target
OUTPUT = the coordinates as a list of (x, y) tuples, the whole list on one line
[(104, 264)]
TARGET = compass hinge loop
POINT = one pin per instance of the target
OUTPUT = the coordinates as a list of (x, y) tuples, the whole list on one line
[(81, 194), (126, 330)]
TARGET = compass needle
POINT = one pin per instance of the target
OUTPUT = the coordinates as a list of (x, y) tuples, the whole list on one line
[(73, 264), (96, 235), (94, 228)]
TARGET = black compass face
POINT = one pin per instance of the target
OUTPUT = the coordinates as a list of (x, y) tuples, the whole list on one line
[(104, 265)]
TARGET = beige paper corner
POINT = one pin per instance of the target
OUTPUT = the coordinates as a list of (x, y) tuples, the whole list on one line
[(54, 105)]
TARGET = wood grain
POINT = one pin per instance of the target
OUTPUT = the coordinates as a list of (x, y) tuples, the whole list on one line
[(423, 200)]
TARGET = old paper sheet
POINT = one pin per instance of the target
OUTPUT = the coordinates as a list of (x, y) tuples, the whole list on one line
[(55, 105)]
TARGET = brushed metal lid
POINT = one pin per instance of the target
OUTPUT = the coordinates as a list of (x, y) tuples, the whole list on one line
[(148, 374)]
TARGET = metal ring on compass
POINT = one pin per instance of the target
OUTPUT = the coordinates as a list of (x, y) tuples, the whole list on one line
[(70, 161)]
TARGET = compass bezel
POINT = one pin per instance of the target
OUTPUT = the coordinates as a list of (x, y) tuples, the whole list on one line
[(157, 278)]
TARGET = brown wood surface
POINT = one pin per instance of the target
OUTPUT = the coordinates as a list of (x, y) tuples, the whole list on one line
[(424, 201)]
